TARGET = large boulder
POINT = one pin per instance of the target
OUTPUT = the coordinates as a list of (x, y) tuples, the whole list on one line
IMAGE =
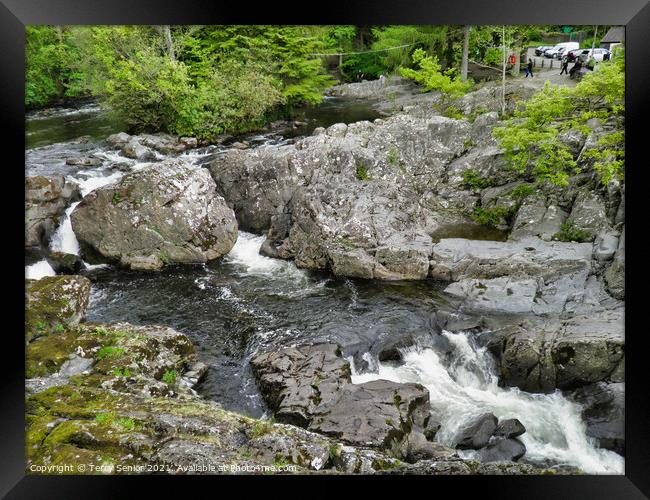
[(603, 408), (46, 199), (454, 259), (310, 386), (615, 273), (476, 433), (542, 354), (164, 213), (356, 199), (53, 303)]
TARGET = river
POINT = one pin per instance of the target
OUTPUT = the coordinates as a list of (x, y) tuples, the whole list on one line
[(233, 307)]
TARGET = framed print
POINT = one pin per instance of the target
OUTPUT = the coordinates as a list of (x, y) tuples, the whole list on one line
[(385, 243)]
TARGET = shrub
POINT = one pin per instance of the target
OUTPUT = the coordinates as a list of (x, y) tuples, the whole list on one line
[(473, 180), (568, 232), (491, 216), (431, 76), (169, 377)]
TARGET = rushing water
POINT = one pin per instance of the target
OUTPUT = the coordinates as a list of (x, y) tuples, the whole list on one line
[(244, 302), (463, 384)]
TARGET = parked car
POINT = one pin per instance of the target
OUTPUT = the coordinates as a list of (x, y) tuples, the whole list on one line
[(539, 51), (564, 46), (598, 54)]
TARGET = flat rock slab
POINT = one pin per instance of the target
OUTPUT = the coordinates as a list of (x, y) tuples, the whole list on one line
[(454, 259)]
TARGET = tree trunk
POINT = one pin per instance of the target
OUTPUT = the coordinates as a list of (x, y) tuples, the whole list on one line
[(169, 42), (464, 61)]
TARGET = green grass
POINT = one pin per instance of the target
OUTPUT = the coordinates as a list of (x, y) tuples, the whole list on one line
[(392, 157), (523, 191), (491, 216), (109, 352), (362, 173), (472, 180), (116, 198)]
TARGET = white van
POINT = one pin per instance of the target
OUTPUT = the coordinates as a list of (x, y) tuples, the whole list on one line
[(567, 46)]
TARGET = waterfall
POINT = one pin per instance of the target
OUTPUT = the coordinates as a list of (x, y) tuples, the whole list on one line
[(467, 385), (39, 270), (64, 239)]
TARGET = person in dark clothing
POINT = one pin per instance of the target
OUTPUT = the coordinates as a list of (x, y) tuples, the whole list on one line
[(576, 67), (529, 69), (565, 67)]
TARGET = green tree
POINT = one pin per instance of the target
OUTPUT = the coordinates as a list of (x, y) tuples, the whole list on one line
[(532, 138)]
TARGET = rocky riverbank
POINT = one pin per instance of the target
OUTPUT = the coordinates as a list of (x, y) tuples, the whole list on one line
[(120, 397)]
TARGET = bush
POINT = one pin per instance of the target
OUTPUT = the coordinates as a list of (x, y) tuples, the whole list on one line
[(431, 77), (472, 180), (568, 232), (491, 216)]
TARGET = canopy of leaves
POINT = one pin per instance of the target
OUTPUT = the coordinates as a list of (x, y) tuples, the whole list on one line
[(533, 137)]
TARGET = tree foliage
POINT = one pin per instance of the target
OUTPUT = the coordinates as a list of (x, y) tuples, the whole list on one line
[(533, 137), (431, 76)]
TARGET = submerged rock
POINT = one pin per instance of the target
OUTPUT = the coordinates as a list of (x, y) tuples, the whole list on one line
[(603, 408), (46, 199), (163, 214), (509, 428), (502, 449)]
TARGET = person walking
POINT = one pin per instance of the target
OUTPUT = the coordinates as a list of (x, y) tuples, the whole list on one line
[(565, 66), (529, 69)]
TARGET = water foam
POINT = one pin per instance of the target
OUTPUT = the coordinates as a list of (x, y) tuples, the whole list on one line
[(467, 385)]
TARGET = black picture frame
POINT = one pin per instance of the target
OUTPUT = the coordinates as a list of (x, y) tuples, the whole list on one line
[(634, 14)]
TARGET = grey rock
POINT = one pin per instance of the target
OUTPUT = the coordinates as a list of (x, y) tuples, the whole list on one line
[(509, 428), (133, 149), (54, 301), (541, 354), (605, 245), (615, 273), (65, 263), (476, 433), (457, 258), (603, 408), (536, 218), (75, 365), (310, 386), (46, 199), (589, 214), (165, 213), (502, 450)]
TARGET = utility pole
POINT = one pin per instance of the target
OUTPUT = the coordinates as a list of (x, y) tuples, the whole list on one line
[(503, 75), (464, 61)]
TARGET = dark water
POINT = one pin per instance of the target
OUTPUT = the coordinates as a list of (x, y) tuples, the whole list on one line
[(332, 110), (53, 125), (245, 302)]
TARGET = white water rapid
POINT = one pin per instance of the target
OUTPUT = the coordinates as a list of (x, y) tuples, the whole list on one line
[(467, 385)]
